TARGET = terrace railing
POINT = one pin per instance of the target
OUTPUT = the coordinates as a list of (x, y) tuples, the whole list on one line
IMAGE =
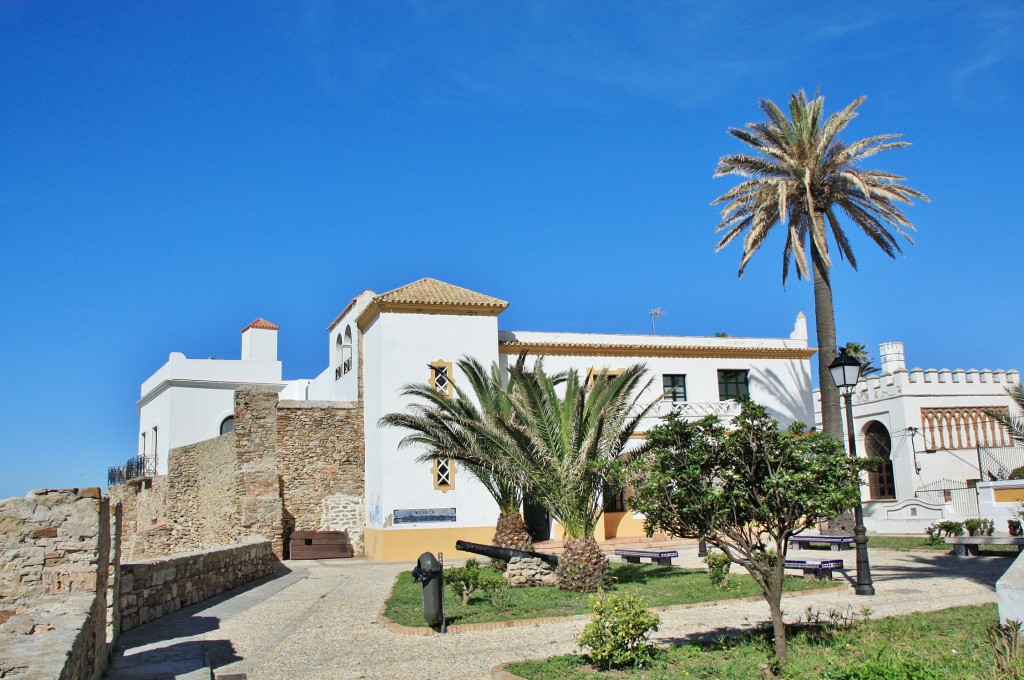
[(134, 468)]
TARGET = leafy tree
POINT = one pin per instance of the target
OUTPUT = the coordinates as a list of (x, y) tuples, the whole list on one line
[(744, 490), (802, 176), (1014, 423), (452, 427), (859, 352)]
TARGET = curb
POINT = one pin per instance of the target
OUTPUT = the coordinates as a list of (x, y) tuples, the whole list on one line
[(400, 629)]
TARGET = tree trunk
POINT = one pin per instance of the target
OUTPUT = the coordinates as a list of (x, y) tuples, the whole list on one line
[(778, 627), (582, 567), (825, 330)]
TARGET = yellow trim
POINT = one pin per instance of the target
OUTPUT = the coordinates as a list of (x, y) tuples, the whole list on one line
[(594, 373), (405, 545), (688, 351), (440, 363), (374, 309), (444, 488), (1008, 495)]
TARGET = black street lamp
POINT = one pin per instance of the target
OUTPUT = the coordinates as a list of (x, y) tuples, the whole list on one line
[(845, 372)]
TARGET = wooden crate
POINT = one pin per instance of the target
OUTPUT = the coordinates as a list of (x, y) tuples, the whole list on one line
[(319, 545)]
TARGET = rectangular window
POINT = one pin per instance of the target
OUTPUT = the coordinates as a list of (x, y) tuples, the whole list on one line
[(441, 376), (606, 374), (142, 444), (732, 384), (675, 387)]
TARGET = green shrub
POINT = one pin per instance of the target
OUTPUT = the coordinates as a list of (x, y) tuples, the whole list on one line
[(617, 636), (940, 530), (1018, 473), (1015, 527), (890, 669), (979, 526), (465, 580), (497, 591), (718, 568)]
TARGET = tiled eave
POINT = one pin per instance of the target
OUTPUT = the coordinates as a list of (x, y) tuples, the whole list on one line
[(636, 350)]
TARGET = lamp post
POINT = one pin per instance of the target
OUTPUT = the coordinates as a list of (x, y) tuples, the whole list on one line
[(845, 372)]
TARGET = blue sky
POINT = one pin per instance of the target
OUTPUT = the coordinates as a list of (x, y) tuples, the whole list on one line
[(171, 171)]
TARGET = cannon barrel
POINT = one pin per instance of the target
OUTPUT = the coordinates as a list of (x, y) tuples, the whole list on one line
[(499, 553)]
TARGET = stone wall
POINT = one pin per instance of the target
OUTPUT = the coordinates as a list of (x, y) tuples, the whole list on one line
[(156, 587), (319, 453), (267, 478), (55, 551), (345, 512)]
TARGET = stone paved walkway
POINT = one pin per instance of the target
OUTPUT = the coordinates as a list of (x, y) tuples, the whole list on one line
[(319, 621)]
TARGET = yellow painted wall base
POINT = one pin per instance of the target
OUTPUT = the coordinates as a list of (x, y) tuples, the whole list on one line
[(406, 545), (610, 525), (622, 525), (1008, 495)]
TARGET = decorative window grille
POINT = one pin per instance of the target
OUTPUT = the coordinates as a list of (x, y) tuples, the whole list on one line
[(441, 376), (964, 427), (444, 474)]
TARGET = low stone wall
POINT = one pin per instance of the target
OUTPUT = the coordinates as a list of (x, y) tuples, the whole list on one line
[(156, 587), (343, 512), (55, 552)]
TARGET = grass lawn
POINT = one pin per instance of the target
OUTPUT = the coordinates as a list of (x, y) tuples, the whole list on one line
[(950, 643), (657, 585), (921, 543)]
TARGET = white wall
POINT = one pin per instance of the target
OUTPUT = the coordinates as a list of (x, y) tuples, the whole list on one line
[(187, 399), (398, 349)]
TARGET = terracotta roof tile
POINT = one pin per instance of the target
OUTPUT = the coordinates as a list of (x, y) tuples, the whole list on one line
[(262, 323), (429, 292)]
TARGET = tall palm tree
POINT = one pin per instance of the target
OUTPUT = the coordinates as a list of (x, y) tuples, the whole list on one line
[(450, 427), (566, 444), (802, 176)]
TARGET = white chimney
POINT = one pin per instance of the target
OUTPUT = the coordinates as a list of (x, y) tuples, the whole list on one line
[(259, 341), (892, 357)]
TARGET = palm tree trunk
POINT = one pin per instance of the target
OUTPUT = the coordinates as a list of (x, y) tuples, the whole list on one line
[(825, 329)]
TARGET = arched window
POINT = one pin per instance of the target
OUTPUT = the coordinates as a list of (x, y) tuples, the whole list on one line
[(878, 444), (227, 425)]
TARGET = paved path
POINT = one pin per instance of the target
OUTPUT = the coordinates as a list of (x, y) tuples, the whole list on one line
[(318, 621)]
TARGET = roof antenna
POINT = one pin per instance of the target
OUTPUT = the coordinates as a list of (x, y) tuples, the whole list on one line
[(655, 313)]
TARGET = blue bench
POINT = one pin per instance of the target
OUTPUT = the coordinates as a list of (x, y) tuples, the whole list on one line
[(662, 558), (821, 569), (833, 542)]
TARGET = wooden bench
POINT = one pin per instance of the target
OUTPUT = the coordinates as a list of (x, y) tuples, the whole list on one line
[(968, 545), (319, 545), (834, 542), (820, 569), (662, 558)]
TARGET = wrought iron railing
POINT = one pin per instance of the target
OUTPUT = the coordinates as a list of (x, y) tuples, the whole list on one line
[(342, 369), (134, 468)]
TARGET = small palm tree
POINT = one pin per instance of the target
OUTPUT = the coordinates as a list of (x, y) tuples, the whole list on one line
[(566, 442), (859, 352), (802, 176), (450, 427)]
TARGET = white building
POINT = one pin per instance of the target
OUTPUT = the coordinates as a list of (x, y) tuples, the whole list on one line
[(188, 400), (930, 428), (416, 334)]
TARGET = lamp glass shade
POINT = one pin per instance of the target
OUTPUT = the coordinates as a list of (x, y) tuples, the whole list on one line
[(845, 371)]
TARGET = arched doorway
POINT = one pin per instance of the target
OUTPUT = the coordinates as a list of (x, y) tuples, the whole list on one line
[(878, 445)]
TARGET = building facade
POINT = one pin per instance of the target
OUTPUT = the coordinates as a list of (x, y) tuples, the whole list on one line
[(933, 439), (416, 334)]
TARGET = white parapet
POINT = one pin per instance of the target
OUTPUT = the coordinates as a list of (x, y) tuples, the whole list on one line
[(1010, 591)]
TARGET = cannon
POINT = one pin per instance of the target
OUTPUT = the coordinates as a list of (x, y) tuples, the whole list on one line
[(499, 553)]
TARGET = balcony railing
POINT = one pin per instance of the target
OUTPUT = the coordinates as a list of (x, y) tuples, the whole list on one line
[(134, 468), (344, 368)]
